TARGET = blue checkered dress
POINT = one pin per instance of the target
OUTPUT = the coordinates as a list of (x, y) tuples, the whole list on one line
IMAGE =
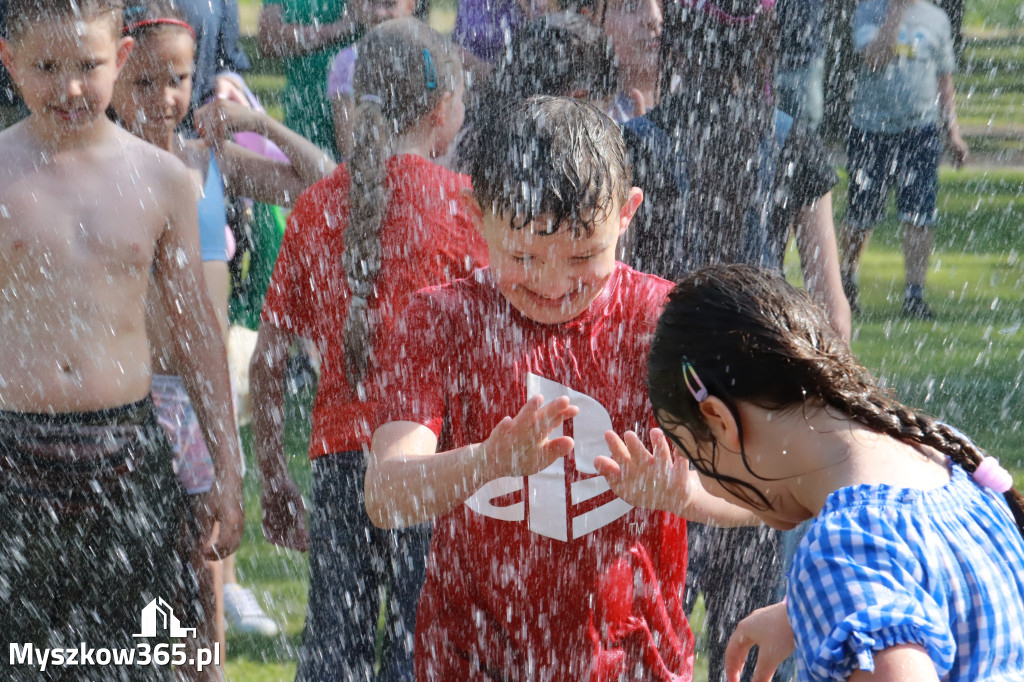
[(883, 566)]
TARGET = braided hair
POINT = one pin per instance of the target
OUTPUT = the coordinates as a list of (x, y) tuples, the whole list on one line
[(403, 70), (751, 336)]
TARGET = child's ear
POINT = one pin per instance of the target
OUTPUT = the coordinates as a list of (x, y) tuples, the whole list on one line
[(440, 113), (7, 56), (476, 214), (124, 48), (722, 422), (629, 208)]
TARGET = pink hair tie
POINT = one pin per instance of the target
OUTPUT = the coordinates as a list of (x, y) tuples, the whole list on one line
[(991, 475)]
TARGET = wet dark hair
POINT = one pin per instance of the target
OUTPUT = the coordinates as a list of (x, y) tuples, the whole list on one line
[(553, 54), (20, 14), (551, 156), (751, 336), (721, 114)]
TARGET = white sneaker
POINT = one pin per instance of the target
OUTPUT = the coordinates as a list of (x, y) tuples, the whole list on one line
[(244, 614)]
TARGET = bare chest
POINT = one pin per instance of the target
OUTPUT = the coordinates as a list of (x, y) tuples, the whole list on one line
[(75, 230)]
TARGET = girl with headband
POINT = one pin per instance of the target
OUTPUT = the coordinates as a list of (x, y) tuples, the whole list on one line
[(151, 98)]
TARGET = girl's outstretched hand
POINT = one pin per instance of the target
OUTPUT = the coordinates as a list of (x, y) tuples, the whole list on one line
[(216, 120), (520, 445), (645, 479), (768, 629)]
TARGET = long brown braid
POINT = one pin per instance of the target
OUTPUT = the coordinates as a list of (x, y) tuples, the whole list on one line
[(751, 336), (403, 71)]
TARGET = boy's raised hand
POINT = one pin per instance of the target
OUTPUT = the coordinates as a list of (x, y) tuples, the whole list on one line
[(519, 446), (650, 480)]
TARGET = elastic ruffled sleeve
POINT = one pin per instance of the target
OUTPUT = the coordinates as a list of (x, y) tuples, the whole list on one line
[(856, 589)]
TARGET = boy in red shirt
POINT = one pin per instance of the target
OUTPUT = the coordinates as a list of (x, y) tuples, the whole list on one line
[(537, 570)]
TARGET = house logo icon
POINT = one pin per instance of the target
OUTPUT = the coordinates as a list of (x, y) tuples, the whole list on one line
[(159, 612)]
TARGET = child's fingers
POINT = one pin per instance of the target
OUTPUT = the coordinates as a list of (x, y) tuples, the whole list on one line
[(617, 448), (528, 411), (554, 414), (662, 450), (736, 652), (608, 467), (637, 450), (560, 447)]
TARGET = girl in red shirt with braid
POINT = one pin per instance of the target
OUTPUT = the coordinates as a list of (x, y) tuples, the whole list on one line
[(358, 245)]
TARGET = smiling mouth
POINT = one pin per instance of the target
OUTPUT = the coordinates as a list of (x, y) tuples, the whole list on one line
[(552, 303), (72, 114)]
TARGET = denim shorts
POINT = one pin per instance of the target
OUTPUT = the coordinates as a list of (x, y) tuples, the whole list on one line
[(877, 161)]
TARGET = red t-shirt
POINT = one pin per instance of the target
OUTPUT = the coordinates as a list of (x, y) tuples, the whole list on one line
[(427, 239), (550, 577)]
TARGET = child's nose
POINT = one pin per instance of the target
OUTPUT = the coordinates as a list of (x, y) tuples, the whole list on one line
[(552, 282), (73, 87)]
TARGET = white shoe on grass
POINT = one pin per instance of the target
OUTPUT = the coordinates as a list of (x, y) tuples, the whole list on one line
[(243, 612)]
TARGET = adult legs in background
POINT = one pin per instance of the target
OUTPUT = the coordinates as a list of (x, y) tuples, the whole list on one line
[(872, 160), (920, 154)]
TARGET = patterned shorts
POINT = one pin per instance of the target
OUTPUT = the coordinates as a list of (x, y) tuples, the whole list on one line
[(192, 461)]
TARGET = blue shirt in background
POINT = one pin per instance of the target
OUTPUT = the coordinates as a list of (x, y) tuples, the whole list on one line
[(217, 48), (905, 93)]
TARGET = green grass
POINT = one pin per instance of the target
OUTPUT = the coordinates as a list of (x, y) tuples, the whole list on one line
[(990, 86), (967, 367), (988, 15)]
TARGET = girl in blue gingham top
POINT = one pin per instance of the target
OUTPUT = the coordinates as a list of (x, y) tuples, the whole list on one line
[(913, 565)]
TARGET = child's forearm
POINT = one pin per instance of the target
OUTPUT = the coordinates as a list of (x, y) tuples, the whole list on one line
[(267, 377), (882, 49), (280, 39), (405, 489), (713, 511), (249, 174), (309, 163), (205, 373), (947, 104)]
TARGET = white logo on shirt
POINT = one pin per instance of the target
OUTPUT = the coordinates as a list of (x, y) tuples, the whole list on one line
[(549, 513)]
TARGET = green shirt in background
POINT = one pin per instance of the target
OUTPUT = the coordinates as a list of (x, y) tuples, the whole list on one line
[(307, 110)]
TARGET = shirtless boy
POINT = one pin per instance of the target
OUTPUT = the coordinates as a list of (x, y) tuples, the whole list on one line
[(88, 501)]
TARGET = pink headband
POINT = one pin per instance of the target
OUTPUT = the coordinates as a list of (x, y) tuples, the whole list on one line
[(135, 26), (723, 17), (991, 475)]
